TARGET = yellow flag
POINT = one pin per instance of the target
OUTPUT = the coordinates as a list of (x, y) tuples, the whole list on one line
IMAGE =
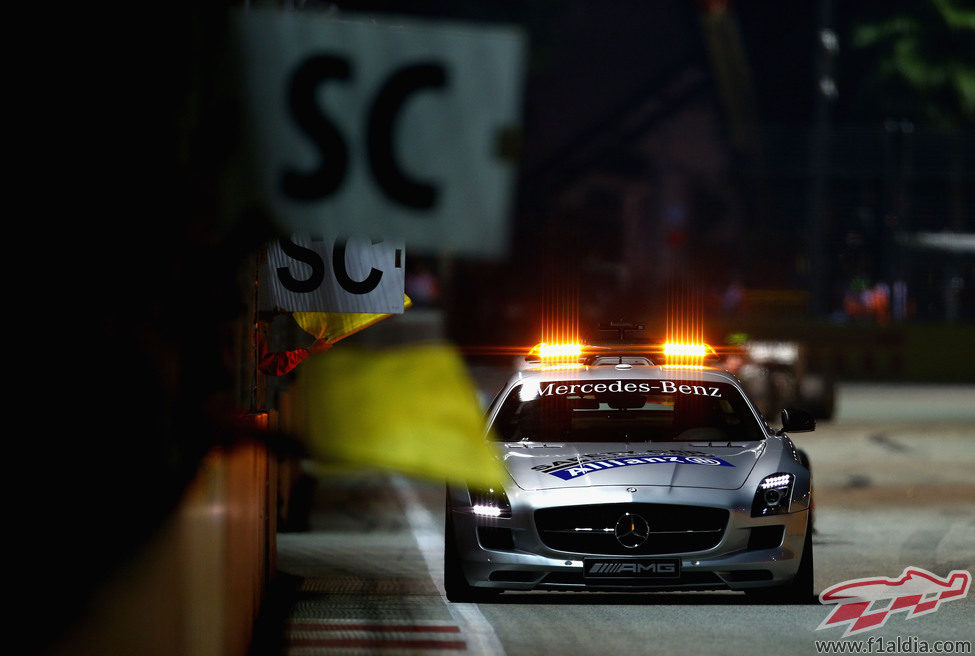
[(336, 325), (413, 409)]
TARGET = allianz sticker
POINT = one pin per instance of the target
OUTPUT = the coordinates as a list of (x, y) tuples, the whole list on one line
[(569, 469)]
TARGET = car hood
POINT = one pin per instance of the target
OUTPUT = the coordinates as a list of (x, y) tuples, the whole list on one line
[(540, 466)]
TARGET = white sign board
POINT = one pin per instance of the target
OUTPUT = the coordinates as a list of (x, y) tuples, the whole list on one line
[(307, 274), (385, 127)]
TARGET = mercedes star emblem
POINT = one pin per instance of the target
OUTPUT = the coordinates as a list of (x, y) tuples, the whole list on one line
[(632, 530)]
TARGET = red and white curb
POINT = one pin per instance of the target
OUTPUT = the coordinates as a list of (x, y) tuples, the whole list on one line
[(477, 631), (373, 635)]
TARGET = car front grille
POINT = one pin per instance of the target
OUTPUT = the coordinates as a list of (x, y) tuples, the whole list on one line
[(591, 529)]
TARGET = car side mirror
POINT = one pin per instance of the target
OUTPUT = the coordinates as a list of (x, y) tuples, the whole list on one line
[(795, 420)]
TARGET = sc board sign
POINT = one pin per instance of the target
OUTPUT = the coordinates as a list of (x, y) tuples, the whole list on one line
[(382, 127), (336, 275)]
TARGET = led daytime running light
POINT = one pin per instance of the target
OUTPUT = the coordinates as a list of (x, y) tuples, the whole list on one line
[(782, 480), (492, 502)]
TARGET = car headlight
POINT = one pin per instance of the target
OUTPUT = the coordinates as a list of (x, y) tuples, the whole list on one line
[(774, 495), (492, 502)]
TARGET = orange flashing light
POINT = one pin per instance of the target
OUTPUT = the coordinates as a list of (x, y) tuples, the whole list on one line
[(672, 349), (679, 350), (556, 351), (687, 355), (682, 350)]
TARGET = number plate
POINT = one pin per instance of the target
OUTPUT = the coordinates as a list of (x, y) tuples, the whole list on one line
[(631, 568)]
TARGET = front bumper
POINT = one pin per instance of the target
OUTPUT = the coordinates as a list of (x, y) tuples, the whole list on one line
[(525, 562)]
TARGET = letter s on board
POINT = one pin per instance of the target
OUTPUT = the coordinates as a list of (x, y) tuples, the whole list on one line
[(334, 154), (309, 257)]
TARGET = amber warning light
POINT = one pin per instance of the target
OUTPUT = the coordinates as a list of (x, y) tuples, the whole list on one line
[(545, 351), (678, 350), (672, 352), (687, 353)]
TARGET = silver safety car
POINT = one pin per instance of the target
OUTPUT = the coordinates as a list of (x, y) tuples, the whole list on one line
[(626, 472)]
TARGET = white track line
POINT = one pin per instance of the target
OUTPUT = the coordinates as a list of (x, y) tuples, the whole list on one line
[(476, 629)]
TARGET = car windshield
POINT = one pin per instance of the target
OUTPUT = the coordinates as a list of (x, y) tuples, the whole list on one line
[(626, 411)]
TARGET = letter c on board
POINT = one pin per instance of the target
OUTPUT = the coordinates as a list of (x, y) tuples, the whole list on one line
[(343, 277)]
